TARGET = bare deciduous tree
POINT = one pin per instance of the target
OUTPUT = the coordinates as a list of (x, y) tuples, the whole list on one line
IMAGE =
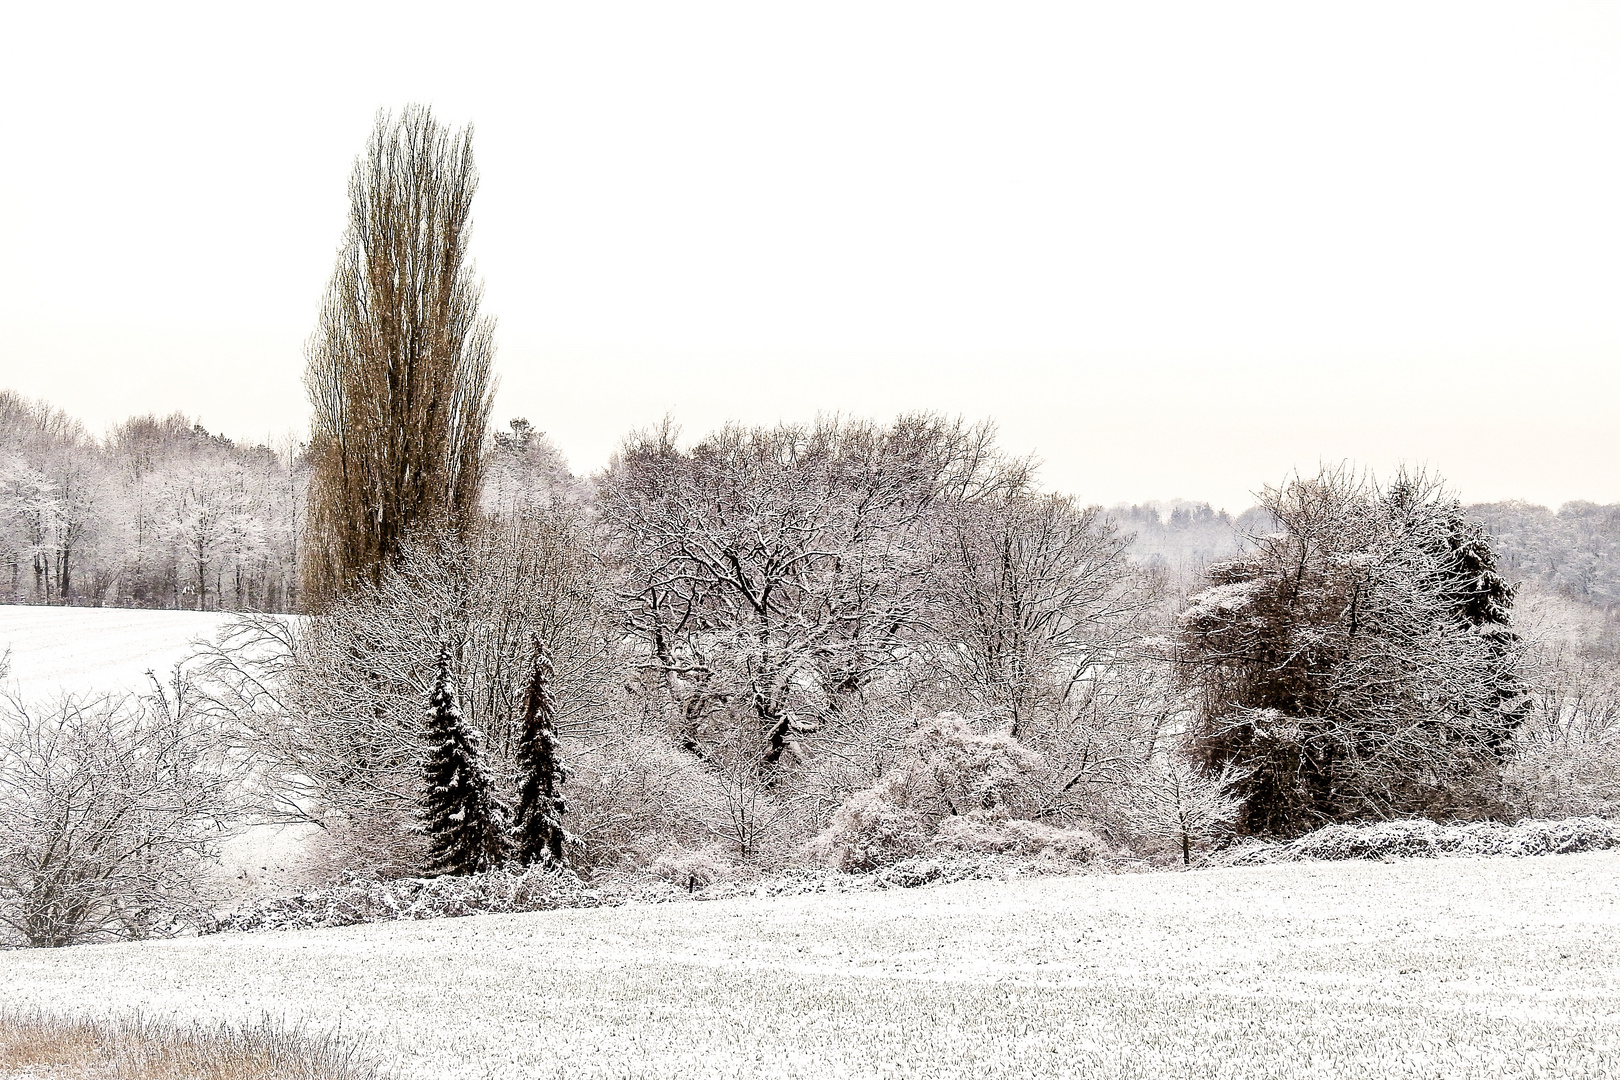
[(399, 368), (771, 574), (1033, 596), (108, 808)]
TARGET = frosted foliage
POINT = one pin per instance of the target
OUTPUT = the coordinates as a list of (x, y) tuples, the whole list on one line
[(871, 830), (1574, 550), (994, 834), (502, 891), (955, 788), (524, 470), (1427, 839), (692, 870)]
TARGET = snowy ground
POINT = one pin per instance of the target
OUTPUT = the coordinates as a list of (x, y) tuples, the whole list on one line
[(1442, 968), (83, 650)]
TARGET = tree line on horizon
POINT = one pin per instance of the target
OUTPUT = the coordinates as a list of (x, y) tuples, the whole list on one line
[(162, 513)]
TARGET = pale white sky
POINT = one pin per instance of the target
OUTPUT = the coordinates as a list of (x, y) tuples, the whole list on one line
[(1174, 249)]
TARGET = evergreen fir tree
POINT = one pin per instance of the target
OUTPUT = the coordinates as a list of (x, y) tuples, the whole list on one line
[(1483, 600), (1479, 598), (539, 834), (465, 824)]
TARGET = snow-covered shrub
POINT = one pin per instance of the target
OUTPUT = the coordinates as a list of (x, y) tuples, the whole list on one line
[(958, 769), (1427, 839), (736, 802), (502, 891), (1172, 802), (631, 797), (385, 844), (1567, 760), (1578, 775), (950, 771), (993, 834), (109, 810), (872, 829), (692, 870)]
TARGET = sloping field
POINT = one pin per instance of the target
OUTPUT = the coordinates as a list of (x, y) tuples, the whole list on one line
[(81, 650), (1421, 968)]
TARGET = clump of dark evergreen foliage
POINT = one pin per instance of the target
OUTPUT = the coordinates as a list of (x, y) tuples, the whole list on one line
[(465, 823), (1359, 662), (539, 836)]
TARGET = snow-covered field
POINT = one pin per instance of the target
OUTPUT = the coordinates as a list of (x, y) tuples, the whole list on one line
[(1442, 968), (83, 650)]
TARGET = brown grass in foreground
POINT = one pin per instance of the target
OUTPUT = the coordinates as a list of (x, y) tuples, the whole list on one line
[(38, 1046)]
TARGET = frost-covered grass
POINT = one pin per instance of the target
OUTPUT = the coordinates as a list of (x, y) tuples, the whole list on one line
[(57, 650), (1417, 968), (37, 1045)]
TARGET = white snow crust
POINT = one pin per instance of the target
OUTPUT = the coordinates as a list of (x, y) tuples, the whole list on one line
[(57, 650), (1453, 968)]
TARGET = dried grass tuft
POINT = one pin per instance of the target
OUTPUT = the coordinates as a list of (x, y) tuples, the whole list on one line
[(42, 1046)]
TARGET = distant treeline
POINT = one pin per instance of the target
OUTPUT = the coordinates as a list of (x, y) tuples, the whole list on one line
[(162, 513), (1574, 550), (158, 513)]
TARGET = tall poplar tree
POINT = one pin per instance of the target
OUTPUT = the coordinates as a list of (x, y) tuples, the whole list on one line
[(399, 367)]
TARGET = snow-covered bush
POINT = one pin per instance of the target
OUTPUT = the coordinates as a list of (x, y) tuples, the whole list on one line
[(1567, 760), (1172, 802), (385, 845), (955, 789), (503, 891), (872, 829), (993, 834), (693, 870), (109, 809), (632, 796), (1427, 839)]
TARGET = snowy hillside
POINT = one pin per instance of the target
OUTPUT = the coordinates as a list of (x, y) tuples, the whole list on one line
[(56, 649), (1446, 968)]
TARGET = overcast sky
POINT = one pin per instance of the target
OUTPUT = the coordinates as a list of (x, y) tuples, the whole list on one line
[(1174, 250)]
